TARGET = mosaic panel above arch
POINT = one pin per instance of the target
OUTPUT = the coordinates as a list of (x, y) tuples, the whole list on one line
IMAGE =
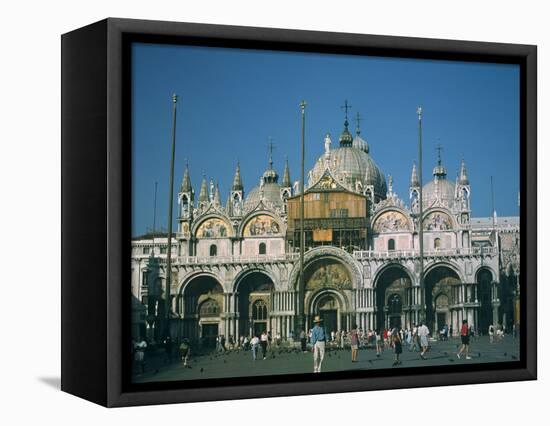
[(261, 226), (391, 221), (438, 221), (327, 274), (214, 228)]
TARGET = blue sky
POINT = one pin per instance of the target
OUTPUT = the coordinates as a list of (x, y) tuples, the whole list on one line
[(231, 101)]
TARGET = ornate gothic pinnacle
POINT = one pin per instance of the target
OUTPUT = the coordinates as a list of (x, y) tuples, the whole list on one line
[(463, 178), (186, 182), (203, 194), (415, 182), (216, 198), (286, 176), (237, 181)]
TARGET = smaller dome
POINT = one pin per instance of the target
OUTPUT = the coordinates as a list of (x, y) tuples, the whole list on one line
[(269, 192), (360, 143), (346, 139), (438, 189), (270, 176)]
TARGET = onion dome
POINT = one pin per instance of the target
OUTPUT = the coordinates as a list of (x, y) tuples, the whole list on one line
[(346, 139)]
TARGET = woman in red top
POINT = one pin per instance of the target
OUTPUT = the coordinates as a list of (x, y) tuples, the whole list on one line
[(465, 337)]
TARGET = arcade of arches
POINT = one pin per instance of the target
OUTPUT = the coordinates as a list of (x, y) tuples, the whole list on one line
[(256, 305)]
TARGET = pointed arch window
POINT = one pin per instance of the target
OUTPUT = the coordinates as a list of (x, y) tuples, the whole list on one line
[(259, 310)]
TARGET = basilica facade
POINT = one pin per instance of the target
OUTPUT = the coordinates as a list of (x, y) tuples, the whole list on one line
[(236, 269)]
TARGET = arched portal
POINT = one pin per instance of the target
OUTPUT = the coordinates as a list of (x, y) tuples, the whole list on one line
[(438, 284), (442, 312), (392, 292), (329, 307), (201, 306), (327, 286), (395, 309), (255, 293), (485, 313)]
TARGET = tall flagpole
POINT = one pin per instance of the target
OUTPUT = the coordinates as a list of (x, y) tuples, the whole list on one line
[(155, 210), (420, 223), (302, 236), (167, 296)]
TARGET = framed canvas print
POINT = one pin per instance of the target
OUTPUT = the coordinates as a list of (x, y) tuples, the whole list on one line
[(253, 212)]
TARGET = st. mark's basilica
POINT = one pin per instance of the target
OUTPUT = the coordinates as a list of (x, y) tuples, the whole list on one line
[(236, 268)]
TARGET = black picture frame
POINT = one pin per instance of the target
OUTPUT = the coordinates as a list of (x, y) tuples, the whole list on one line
[(96, 209)]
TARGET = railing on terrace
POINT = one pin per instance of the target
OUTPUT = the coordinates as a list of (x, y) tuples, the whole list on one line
[(476, 251), (190, 260), (291, 257)]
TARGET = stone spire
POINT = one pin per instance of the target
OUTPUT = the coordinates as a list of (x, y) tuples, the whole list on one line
[(216, 197), (203, 194), (186, 182), (237, 181), (463, 177), (415, 182), (286, 176)]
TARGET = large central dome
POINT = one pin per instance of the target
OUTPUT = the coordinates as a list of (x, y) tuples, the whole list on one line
[(351, 165)]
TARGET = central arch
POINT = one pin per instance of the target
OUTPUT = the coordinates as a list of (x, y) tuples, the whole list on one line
[(439, 281)]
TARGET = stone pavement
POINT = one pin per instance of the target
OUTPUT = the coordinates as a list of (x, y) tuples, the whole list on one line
[(282, 360)]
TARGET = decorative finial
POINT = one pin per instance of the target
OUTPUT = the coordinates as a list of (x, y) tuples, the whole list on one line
[(174, 98), (419, 112), (303, 105), (439, 148), (270, 147), (346, 107), (357, 124)]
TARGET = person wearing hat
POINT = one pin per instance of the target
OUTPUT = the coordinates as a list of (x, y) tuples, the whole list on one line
[(318, 340)]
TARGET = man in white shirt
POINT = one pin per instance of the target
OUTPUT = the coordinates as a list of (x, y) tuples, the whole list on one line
[(423, 333), (254, 343)]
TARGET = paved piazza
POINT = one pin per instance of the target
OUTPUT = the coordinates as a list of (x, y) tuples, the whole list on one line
[(281, 360)]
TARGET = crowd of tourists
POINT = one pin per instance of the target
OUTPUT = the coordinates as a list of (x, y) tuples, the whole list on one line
[(418, 338)]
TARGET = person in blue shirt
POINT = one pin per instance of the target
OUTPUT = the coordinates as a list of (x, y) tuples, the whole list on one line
[(318, 340)]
